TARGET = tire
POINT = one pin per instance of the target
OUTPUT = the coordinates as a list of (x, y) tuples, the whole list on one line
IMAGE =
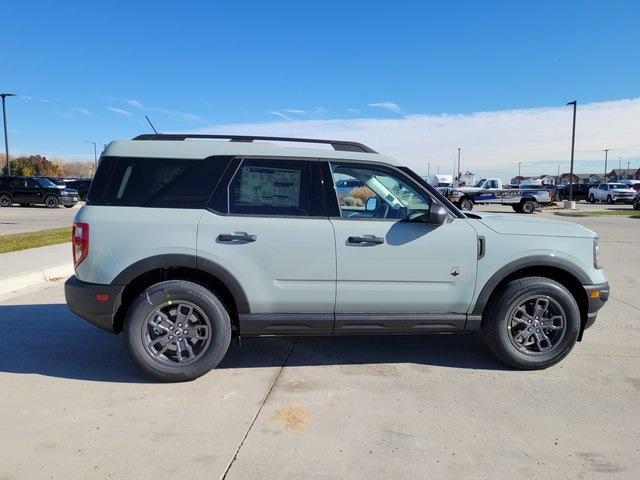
[(527, 206), (512, 348), (69, 206), (140, 326), (466, 204), (592, 199), (609, 200), (51, 201), (25, 204), (5, 200), (516, 208)]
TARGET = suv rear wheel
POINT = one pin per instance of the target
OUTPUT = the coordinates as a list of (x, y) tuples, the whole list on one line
[(5, 200), (177, 331), (533, 324)]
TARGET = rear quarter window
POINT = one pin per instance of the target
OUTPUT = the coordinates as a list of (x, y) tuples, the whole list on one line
[(156, 182)]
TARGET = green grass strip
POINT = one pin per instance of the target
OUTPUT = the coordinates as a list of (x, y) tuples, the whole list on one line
[(42, 238)]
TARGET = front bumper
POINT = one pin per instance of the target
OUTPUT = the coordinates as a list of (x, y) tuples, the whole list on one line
[(597, 295), (96, 303), (70, 200)]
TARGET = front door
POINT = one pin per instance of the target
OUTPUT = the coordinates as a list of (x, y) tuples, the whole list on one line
[(395, 271), (271, 232)]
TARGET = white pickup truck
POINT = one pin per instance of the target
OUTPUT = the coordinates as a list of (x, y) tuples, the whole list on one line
[(490, 190), (612, 193)]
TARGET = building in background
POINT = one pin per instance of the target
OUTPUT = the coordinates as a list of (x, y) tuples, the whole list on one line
[(619, 174), (582, 178)]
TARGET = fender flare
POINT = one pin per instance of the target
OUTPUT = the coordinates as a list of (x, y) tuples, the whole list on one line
[(189, 261), (526, 262)]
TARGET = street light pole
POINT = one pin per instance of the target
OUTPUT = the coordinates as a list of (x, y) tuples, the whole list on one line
[(619, 162), (428, 168), (95, 155), (519, 168), (606, 152), (4, 117), (573, 146), (628, 169), (458, 163)]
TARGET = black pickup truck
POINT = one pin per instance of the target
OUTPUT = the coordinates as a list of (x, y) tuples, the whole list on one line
[(29, 190)]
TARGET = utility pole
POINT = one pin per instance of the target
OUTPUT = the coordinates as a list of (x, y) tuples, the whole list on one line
[(95, 155), (619, 162), (428, 168), (438, 169), (606, 152), (519, 168), (628, 169), (573, 146), (458, 163), (4, 117), (558, 176)]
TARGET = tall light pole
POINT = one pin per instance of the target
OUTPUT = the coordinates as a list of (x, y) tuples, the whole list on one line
[(4, 117), (619, 162), (519, 168), (628, 169), (606, 152), (573, 146), (95, 155), (428, 168), (458, 163)]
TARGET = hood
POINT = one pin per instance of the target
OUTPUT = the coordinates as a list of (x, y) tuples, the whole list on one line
[(514, 224), (624, 190)]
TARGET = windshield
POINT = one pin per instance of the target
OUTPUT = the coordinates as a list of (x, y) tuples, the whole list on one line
[(618, 186), (43, 182), (480, 182)]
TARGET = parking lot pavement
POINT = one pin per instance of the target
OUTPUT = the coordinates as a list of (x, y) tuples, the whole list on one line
[(350, 407), (31, 219)]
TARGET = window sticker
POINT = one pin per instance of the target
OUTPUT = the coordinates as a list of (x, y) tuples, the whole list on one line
[(270, 186)]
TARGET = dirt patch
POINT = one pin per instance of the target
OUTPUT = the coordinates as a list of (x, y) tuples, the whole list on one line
[(293, 416), (597, 462)]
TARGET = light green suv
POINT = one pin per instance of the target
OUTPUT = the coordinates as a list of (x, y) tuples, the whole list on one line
[(188, 240)]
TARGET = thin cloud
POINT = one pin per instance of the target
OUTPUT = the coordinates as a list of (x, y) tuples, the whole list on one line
[(63, 114), (492, 142), (84, 111), (390, 106), (295, 111), (280, 114), (182, 116), (120, 111)]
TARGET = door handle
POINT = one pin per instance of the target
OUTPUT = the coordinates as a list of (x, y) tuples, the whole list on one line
[(366, 239), (236, 237)]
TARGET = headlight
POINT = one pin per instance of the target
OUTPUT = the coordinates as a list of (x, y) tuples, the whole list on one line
[(596, 254)]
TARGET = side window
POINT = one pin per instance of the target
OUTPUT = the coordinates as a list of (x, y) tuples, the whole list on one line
[(271, 187), (18, 182), (31, 183), (5, 182), (379, 192), (156, 182), (493, 184)]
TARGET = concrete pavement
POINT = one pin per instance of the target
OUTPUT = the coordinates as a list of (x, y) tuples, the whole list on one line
[(73, 406), (31, 219)]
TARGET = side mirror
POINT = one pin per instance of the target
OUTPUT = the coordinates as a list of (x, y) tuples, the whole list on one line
[(372, 204), (437, 214)]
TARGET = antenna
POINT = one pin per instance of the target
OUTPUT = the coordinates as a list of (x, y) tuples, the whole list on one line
[(154, 128)]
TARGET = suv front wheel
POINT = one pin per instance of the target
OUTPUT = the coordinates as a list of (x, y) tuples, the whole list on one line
[(177, 331), (532, 324)]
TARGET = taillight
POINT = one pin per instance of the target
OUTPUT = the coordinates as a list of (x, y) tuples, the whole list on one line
[(80, 242)]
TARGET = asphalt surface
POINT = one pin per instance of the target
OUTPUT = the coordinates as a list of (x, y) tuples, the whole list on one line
[(73, 406), (17, 219)]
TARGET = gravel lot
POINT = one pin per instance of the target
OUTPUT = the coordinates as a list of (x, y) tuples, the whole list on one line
[(73, 406), (31, 219)]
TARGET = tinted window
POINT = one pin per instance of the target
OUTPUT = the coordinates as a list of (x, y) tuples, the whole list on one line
[(5, 182), (19, 182), (271, 187), (160, 183)]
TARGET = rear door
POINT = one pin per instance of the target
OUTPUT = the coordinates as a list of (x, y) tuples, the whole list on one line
[(19, 187), (395, 271), (268, 227)]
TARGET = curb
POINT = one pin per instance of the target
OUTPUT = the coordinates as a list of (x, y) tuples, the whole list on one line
[(8, 286)]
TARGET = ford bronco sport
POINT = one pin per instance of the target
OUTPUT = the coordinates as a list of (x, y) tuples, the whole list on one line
[(188, 240)]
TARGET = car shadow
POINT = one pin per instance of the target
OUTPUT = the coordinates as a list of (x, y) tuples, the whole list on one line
[(47, 339)]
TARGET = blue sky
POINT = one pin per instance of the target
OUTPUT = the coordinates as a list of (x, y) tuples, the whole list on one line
[(92, 70)]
